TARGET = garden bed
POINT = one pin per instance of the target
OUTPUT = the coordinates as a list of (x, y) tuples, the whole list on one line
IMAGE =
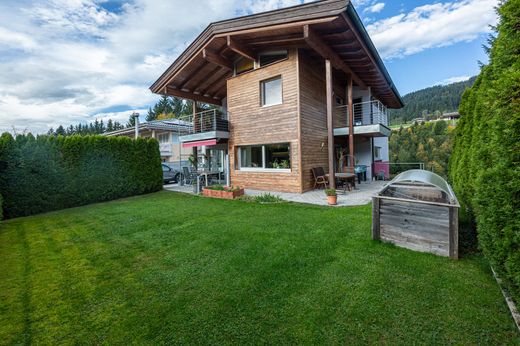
[(223, 192)]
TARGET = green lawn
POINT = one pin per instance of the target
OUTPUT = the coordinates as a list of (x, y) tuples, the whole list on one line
[(172, 268)]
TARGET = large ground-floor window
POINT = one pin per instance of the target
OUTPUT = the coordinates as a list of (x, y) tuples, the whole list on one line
[(275, 157)]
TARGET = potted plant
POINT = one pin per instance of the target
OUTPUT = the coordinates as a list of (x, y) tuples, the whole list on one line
[(332, 197)]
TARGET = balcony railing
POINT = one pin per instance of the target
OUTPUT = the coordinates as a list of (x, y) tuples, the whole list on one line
[(206, 121), (365, 113)]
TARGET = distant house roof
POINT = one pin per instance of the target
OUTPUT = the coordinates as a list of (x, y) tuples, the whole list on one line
[(327, 28), (172, 125), (451, 115)]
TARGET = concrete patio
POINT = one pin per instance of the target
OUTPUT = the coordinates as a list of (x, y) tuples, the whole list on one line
[(359, 196)]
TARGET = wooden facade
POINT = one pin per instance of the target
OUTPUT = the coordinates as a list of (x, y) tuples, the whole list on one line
[(328, 50), (251, 123)]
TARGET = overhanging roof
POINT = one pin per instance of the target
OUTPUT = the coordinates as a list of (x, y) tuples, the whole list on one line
[(330, 29)]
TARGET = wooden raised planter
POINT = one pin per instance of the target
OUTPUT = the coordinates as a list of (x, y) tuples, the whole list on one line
[(223, 194)]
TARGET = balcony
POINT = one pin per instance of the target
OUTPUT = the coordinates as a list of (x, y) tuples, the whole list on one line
[(370, 119), (206, 125)]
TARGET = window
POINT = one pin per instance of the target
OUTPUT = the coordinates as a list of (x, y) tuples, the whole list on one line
[(377, 153), (243, 65), (251, 157), (339, 101), (277, 156), (267, 58), (265, 157), (164, 138), (271, 91)]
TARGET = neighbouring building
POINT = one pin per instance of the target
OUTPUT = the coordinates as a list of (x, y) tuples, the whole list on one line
[(296, 88), (167, 132)]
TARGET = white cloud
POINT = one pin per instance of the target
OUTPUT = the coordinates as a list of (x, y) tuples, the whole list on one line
[(375, 8), (434, 25), (453, 80), (66, 61)]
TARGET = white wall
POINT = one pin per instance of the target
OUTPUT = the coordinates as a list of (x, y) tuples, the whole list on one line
[(365, 97), (363, 153), (383, 143)]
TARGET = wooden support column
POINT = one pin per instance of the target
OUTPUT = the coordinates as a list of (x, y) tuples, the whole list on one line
[(194, 149), (350, 108), (330, 131)]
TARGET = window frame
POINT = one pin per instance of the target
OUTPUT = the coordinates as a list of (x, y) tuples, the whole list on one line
[(271, 53), (162, 135), (377, 152), (239, 167), (262, 91)]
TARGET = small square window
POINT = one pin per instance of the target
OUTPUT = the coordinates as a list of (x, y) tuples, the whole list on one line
[(271, 91)]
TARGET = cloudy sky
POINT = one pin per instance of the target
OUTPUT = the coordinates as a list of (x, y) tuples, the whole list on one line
[(70, 61)]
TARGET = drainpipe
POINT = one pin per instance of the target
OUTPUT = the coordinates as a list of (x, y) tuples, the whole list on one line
[(136, 117)]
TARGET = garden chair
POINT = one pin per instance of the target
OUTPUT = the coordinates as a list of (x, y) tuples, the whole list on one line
[(319, 177)]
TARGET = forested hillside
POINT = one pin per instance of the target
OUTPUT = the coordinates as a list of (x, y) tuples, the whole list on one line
[(430, 143), (431, 101)]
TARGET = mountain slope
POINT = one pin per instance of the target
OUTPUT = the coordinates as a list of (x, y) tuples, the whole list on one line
[(437, 99)]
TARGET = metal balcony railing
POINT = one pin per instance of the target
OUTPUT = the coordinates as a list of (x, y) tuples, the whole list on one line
[(365, 113), (206, 121)]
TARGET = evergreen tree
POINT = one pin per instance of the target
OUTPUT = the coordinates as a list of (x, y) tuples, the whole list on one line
[(484, 167)]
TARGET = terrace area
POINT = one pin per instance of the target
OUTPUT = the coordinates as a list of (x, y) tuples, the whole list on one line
[(360, 196)]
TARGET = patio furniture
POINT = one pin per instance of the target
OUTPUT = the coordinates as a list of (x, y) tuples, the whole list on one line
[(361, 172), (319, 177), (347, 178), (207, 175)]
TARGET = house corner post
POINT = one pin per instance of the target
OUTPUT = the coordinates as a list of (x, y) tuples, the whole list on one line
[(350, 108), (330, 131)]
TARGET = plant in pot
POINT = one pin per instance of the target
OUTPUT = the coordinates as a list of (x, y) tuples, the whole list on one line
[(332, 197)]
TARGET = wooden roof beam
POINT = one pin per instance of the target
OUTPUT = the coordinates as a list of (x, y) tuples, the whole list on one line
[(189, 96), (316, 43), (216, 59), (240, 49)]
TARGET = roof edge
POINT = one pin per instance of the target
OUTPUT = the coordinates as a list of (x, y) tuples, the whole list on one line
[(352, 13)]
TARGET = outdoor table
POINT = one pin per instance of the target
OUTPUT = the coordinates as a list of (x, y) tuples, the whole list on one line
[(345, 176), (205, 174)]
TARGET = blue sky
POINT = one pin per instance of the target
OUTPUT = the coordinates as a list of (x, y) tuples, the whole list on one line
[(70, 61)]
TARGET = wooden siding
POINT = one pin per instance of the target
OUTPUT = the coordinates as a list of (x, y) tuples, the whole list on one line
[(313, 115), (250, 124)]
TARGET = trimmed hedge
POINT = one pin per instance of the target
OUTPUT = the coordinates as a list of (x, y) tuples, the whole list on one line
[(49, 173), (484, 166)]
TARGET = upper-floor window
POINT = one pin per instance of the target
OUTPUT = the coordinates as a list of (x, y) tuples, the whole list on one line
[(266, 58), (271, 91), (243, 65), (163, 137)]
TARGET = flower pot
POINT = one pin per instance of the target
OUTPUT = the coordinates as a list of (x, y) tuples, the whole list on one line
[(332, 200)]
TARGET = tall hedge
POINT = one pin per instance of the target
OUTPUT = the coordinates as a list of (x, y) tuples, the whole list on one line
[(484, 167), (49, 173)]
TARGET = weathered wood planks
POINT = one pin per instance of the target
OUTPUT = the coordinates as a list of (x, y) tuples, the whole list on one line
[(416, 225)]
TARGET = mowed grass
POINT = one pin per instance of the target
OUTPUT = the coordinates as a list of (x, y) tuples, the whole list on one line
[(169, 268)]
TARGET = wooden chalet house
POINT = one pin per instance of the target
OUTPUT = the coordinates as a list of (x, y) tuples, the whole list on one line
[(298, 88)]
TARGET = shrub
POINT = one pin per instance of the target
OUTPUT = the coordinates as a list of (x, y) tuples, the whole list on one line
[(484, 166), (268, 198), (49, 173)]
